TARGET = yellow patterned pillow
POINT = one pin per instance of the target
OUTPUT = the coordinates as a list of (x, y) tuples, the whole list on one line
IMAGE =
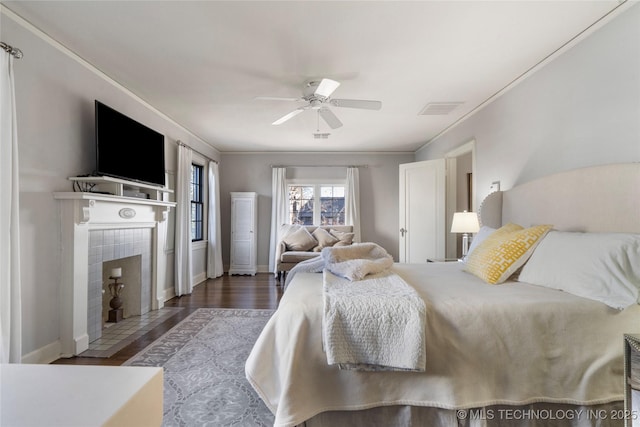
[(504, 251)]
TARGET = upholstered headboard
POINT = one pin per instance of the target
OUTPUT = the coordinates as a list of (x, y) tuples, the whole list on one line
[(602, 198)]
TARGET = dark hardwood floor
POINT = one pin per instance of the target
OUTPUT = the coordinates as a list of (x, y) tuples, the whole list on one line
[(261, 291)]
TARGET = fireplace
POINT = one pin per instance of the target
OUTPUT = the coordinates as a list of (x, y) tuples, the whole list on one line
[(130, 250), (135, 294), (97, 229)]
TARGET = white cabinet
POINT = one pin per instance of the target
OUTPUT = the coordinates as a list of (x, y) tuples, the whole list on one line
[(244, 232)]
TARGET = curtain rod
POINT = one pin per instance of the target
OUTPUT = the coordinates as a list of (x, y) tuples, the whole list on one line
[(203, 155), (17, 53), (320, 166)]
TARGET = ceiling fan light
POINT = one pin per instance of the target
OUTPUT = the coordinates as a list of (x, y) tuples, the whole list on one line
[(326, 87)]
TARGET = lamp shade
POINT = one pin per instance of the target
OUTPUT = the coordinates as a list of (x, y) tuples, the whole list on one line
[(465, 222)]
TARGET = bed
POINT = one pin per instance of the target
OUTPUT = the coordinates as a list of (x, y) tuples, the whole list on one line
[(515, 353)]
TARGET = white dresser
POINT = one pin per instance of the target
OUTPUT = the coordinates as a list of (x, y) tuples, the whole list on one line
[(244, 231)]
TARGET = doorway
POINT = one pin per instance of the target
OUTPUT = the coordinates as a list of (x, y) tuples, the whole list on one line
[(460, 191), (431, 192)]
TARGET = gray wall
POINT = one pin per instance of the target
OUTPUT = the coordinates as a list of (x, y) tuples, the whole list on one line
[(581, 109), (378, 191), (55, 95)]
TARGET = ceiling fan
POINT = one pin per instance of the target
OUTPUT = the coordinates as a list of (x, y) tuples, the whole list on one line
[(317, 95)]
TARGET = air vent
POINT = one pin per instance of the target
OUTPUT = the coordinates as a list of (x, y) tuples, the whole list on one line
[(321, 135), (439, 108)]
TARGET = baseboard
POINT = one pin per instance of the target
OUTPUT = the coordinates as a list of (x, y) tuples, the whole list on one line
[(44, 355), (168, 293), (259, 268), (199, 278)]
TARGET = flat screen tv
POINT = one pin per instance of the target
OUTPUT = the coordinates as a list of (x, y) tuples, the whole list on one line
[(127, 149)]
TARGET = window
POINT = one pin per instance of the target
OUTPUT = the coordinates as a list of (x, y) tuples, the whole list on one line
[(197, 207), (305, 198), (301, 204)]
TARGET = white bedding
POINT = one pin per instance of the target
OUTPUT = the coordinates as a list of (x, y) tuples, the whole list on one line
[(513, 343), (376, 323)]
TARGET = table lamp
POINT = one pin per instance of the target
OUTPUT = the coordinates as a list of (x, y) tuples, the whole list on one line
[(465, 222)]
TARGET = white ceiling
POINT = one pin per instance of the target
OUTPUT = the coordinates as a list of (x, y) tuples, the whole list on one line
[(202, 63)]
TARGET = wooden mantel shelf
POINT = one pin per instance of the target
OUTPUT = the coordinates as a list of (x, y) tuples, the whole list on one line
[(110, 198), (118, 187)]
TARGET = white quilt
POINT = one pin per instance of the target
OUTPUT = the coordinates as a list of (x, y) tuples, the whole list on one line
[(509, 344), (376, 323)]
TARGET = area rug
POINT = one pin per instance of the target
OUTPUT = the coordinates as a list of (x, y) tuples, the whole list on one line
[(203, 359)]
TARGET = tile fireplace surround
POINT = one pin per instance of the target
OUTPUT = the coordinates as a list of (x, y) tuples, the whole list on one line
[(97, 228)]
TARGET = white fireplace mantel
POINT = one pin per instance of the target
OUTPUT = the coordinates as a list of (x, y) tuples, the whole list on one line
[(81, 213)]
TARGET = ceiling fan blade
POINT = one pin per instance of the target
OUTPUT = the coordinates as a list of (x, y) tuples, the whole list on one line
[(357, 103), (326, 87), (331, 119), (275, 98), (288, 116)]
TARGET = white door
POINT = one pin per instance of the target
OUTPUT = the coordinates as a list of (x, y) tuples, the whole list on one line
[(422, 210)]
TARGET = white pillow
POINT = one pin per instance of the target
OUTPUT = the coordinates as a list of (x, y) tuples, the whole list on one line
[(601, 266), (482, 234), (300, 240)]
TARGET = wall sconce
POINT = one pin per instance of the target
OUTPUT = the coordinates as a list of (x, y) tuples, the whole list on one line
[(465, 222)]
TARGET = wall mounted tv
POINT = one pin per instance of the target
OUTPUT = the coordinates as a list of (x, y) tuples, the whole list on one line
[(127, 149)]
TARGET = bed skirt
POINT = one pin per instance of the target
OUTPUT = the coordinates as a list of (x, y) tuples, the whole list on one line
[(537, 414)]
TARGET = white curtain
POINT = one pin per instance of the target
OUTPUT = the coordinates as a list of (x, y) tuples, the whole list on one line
[(352, 201), (183, 261), (10, 301), (279, 211), (214, 251)]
